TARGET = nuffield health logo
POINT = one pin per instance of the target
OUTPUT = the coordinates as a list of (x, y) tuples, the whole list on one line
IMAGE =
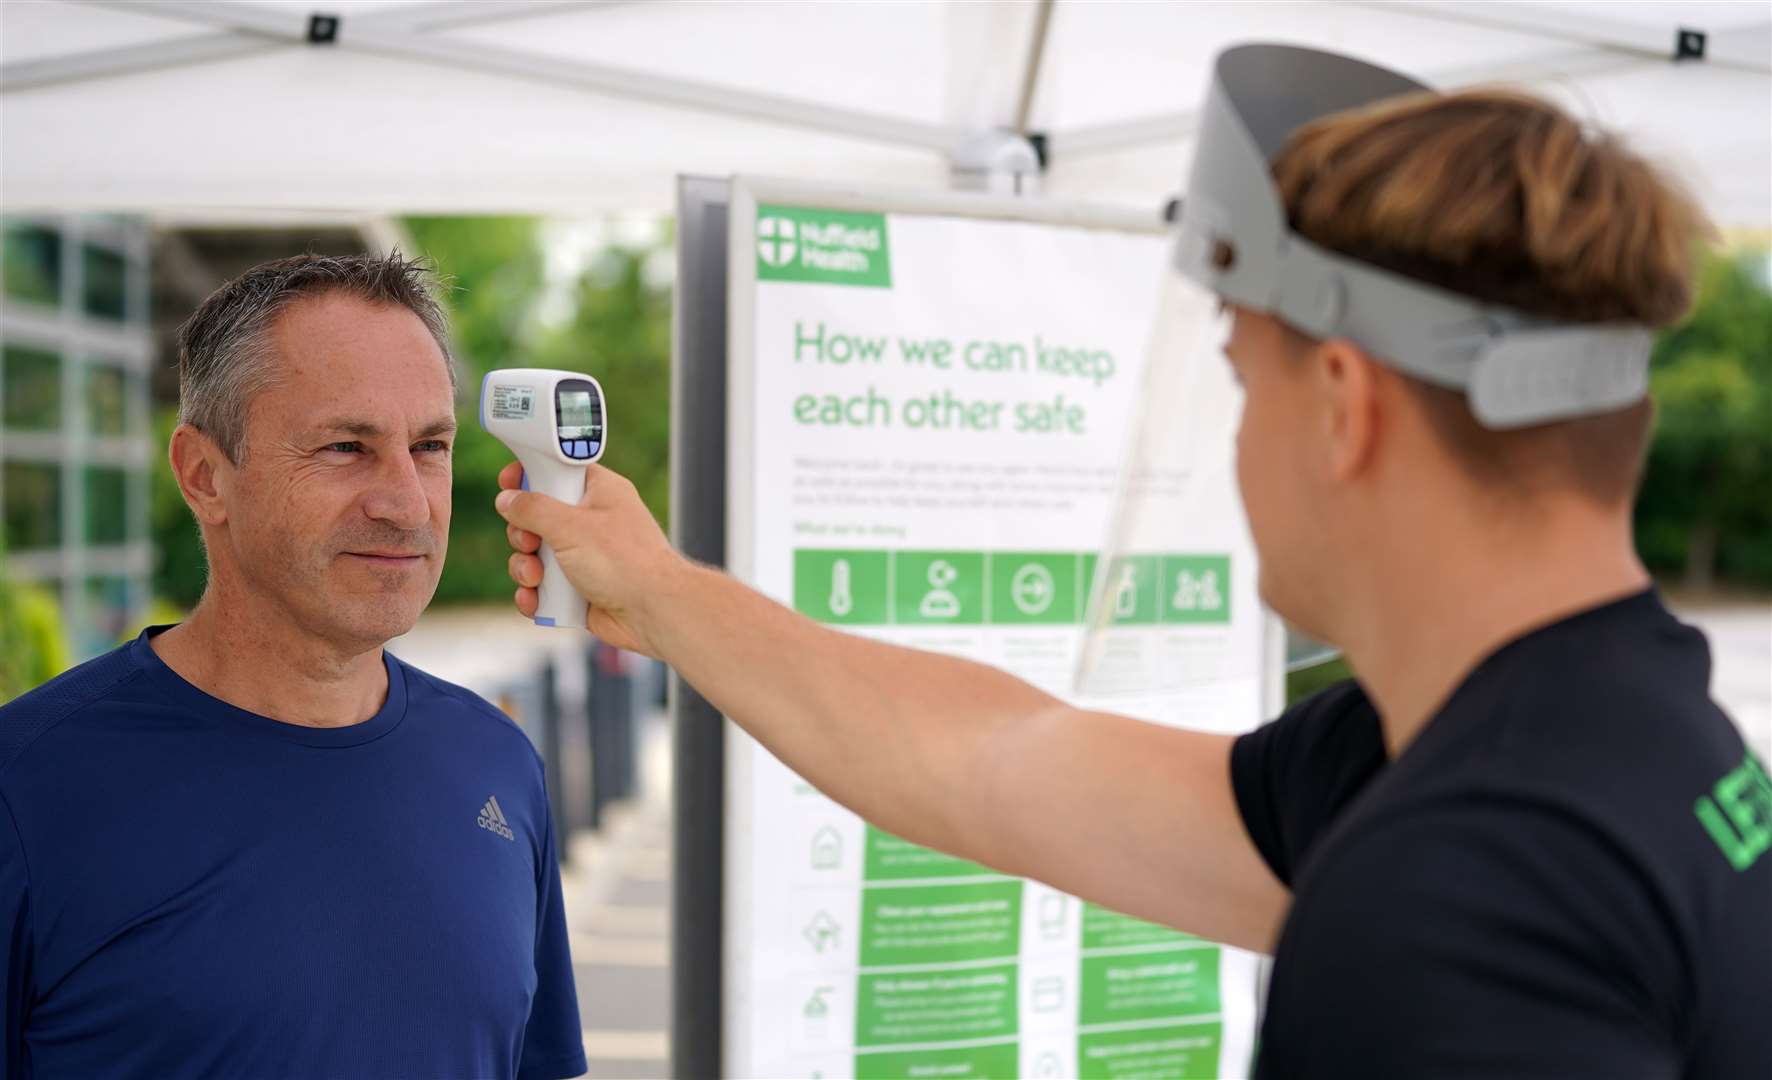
[(775, 240), (833, 247)]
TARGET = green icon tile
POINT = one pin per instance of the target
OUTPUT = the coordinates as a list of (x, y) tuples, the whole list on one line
[(932, 588), (1033, 587), (1136, 584), (1172, 1051), (844, 587), (988, 1062), (1196, 589), (936, 1006), (1156, 985)]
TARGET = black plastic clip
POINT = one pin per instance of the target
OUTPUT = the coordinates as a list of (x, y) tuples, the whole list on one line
[(322, 29), (1689, 44)]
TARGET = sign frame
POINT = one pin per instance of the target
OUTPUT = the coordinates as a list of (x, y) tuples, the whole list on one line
[(713, 491)]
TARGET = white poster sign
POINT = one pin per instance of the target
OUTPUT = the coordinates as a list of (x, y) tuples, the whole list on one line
[(929, 404)]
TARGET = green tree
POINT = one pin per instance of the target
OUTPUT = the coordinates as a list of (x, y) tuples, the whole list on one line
[(1706, 504), (494, 270), (618, 329), (180, 571), (33, 645), (620, 332)]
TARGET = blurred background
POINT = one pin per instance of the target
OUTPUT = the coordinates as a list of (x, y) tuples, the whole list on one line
[(151, 150), (98, 542)]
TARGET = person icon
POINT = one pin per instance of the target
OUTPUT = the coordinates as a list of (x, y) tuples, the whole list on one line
[(940, 602)]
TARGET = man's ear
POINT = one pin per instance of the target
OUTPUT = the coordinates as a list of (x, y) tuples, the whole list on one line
[(203, 472), (1352, 414)]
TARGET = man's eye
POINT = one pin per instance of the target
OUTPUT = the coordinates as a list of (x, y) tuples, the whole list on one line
[(435, 446), (344, 447)]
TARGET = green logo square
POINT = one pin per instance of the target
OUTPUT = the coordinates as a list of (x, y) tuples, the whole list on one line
[(1136, 581), (935, 587), (1196, 589), (843, 587), (832, 247), (1034, 588)]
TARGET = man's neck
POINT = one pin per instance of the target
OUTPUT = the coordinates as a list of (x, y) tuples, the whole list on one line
[(1442, 603), (234, 649)]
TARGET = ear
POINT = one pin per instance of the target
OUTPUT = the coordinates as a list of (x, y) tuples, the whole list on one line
[(203, 472), (1350, 381)]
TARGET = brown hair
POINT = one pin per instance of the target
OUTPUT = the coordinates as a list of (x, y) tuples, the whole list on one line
[(224, 356), (1504, 197)]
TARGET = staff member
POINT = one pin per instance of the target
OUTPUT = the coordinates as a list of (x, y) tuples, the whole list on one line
[(1524, 843)]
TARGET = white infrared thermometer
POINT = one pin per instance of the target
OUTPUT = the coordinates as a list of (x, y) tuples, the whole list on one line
[(556, 424)]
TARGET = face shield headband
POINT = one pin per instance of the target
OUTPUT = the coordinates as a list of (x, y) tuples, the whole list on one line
[(1233, 240)]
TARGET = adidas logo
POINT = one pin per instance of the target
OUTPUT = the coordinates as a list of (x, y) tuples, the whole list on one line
[(492, 819)]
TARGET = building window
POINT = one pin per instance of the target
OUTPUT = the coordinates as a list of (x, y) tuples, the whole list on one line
[(107, 400), (108, 608), (33, 263), (107, 505), (30, 389), (106, 277), (33, 508)]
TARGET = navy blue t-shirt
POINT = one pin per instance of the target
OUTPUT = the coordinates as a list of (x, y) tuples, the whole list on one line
[(189, 889)]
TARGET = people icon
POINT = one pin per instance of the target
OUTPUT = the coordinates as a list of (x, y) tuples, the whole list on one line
[(1197, 593), (940, 602)]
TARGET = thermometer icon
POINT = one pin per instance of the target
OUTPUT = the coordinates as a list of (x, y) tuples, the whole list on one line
[(842, 602)]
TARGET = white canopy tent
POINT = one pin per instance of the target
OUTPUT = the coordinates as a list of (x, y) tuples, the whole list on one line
[(558, 107)]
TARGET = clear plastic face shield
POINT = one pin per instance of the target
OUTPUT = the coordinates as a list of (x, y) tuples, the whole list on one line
[(1162, 588), (1160, 592)]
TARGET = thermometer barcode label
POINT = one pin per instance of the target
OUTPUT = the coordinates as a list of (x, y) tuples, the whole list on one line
[(512, 402)]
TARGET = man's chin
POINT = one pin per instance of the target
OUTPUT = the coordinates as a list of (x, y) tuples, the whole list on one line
[(370, 621)]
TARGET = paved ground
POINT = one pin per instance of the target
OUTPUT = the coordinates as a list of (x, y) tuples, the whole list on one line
[(617, 889)]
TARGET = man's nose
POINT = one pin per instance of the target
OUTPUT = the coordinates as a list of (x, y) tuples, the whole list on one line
[(396, 496)]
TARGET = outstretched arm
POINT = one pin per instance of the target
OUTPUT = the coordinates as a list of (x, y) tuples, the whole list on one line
[(941, 751)]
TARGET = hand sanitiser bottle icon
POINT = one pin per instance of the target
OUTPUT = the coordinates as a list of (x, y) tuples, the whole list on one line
[(556, 424), (1126, 598)]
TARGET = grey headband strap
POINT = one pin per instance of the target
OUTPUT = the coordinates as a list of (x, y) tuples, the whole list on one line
[(1234, 240)]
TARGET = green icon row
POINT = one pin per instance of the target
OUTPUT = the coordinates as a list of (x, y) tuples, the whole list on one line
[(977, 588)]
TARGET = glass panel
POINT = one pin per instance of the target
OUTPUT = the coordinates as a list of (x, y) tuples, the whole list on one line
[(106, 282), (107, 400), (33, 504), (33, 263), (30, 389), (107, 505)]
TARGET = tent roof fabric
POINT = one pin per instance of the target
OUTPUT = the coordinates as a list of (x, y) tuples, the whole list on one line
[(548, 106)]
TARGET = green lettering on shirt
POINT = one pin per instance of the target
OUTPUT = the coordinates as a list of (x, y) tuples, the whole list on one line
[(1738, 813)]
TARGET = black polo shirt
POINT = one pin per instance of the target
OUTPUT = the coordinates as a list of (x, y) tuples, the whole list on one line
[(1565, 875)]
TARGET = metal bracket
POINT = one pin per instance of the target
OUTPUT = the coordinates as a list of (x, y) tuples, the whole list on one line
[(998, 162), (322, 29)]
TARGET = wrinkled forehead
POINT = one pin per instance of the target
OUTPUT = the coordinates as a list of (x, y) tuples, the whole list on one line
[(336, 351)]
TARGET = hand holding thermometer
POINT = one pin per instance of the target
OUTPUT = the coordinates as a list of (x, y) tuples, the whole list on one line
[(554, 421)]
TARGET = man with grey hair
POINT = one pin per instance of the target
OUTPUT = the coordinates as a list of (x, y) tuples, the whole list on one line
[(255, 843)]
